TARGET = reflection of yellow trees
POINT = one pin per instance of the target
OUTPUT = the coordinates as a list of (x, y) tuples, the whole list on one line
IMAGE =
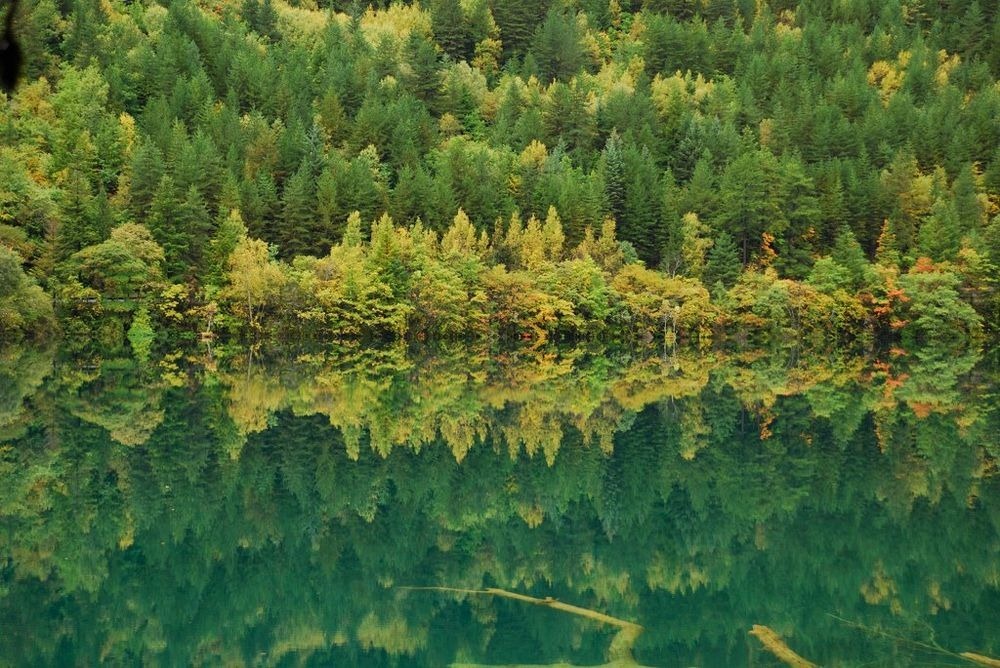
[(252, 397), (767, 377), (882, 589), (298, 640), (655, 379), (392, 634), (676, 576), (407, 517), (527, 402)]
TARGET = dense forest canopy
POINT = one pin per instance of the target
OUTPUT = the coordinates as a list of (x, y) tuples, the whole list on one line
[(533, 168)]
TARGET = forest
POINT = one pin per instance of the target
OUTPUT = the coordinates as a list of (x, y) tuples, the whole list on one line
[(506, 170)]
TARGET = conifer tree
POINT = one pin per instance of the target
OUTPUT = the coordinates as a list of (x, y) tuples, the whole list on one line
[(300, 233), (146, 171), (642, 222), (722, 264), (518, 20), (941, 233), (558, 47), (162, 222), (847, 253), (76, 229), (613, 160), (887, 250), (451, 28)]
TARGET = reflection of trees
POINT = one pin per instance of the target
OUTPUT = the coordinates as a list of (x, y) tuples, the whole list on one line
[(526, 401), (22, 370), (174, 551), (120, 396)]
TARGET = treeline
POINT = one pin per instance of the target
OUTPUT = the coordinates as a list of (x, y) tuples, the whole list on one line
[(808, 167)]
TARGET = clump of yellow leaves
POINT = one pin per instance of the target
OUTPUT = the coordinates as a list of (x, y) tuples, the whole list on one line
[(888, 76)]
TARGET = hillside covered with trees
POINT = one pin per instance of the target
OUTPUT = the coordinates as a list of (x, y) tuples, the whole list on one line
[(521, 169)]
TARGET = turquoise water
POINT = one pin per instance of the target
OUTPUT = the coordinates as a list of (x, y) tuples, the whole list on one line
[(278, 513)]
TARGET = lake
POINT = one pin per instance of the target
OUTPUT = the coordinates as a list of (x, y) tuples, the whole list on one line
[(379, 507)]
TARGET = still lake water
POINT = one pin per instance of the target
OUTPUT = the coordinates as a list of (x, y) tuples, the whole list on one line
[(181, 512)]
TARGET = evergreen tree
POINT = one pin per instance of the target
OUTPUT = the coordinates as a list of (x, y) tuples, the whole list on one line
[(887, 250), (166, 229), (568, 121), (231, 230), (749, 200), (422, 77), (941, 233), (558, 47), (77, 225), (722, 263), (262, 18), (518, 20), (641, 224), (847, 253), (299, 232), (613, 159), (451, 29), (194, 228), (145, 173)]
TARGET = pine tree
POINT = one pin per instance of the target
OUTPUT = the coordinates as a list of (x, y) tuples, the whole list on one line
[(972, 31), (642, 222), (145, 173), (567, 120), (194, 229), (558, 47), (518, 20), (423, 76), (76, 222), (722, 264), (552, 234), (230, 232), (701, 193), (614, 176), (940, 235), (749, 198), (847, 253), (695, 246), (968, 207), (299, 233), (163, 223), (451, 29), (887, 249)]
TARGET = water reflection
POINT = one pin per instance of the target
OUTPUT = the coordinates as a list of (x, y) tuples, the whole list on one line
[(270, 512)]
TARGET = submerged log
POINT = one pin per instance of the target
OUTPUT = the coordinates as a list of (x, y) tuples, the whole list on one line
[(980, 659), (619, 653), (773, 643)]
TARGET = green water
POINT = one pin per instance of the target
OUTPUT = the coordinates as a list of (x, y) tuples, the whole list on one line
[(273, 513)]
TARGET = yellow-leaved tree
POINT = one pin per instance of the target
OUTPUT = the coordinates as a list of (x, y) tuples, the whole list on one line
[(255, 279)]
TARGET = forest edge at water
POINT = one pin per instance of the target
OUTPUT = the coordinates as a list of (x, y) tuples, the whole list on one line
[(501, 168)]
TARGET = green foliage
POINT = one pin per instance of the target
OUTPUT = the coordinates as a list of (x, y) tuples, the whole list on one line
[(723, 262), (126, 266), (141, 335), (779, 126), (25, 310), (280, 504), (935, 310)]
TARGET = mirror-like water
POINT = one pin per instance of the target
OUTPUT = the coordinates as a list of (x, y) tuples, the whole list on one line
[(179, 513)]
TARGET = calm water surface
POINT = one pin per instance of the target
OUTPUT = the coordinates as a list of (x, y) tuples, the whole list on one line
[(260, 513)]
